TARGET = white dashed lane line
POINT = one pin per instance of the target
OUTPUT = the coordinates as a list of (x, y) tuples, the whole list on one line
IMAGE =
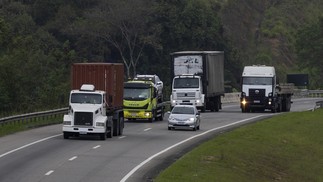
[(49, 172), (73, 158), (147, 129), (98, 146)]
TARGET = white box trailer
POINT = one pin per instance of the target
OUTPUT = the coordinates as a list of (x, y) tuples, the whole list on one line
[(198, 79)]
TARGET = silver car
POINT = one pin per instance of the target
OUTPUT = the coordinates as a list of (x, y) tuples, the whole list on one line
[(184, 116)]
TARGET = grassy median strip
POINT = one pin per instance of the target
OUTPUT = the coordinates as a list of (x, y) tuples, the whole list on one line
[(288, 147)]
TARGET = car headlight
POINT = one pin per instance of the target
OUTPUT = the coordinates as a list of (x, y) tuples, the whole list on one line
[(100, 124), (192, 119)]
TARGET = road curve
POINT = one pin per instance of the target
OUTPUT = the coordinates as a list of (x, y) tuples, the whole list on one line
[(145, 148)]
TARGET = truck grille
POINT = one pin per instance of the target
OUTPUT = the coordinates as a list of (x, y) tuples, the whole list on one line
[(257, 93), (186, 94), (83, 118)]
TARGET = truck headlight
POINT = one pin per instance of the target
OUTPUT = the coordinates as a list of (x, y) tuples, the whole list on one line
[(198, 101), (99, 124), (244, 102), (147, 114), (67, 122)]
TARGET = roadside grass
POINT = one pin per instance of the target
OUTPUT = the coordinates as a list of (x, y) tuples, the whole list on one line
[(13, 127), (288, 147)]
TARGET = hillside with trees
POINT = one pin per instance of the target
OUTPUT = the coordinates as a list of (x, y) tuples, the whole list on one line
[(40, 39)]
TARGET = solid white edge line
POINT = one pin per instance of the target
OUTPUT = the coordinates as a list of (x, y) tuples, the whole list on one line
[(27, 145), (179, 143)]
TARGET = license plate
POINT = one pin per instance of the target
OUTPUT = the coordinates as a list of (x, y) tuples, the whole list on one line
[(83, 132), (133, 114), (256, 101)]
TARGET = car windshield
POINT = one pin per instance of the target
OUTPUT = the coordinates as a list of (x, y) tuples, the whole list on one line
[(186, 83), (257, 80), (136, 93), (183, 110), (87, 98)]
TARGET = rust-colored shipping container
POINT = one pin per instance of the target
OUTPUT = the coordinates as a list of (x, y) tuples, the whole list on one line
[(104, 76)]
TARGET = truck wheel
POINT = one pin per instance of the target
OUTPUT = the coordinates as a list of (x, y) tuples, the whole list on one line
[(121, 126), (66, 135), (110, 131), (103, 136), (116, 126), (203, 108)]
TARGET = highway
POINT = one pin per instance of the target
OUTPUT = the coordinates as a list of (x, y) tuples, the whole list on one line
[(145, 148)]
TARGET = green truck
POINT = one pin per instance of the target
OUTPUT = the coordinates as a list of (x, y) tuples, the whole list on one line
[(141, 101)]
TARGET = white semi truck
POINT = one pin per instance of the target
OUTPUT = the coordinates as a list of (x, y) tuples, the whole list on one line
[(198, 79), (261, 91), (96, 101)]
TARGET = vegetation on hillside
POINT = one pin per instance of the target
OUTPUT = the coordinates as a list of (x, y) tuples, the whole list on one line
[(40, 39)]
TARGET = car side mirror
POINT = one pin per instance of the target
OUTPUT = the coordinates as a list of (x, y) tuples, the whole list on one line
[(168, 112)]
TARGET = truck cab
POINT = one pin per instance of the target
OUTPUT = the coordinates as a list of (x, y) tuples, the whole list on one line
[(87, 113), (258, 89), (187, 89), (141, 101)]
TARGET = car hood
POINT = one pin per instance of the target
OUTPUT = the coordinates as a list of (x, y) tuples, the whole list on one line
[(181, 116)]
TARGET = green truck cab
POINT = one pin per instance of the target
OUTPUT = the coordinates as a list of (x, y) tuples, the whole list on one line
[(140, 101)]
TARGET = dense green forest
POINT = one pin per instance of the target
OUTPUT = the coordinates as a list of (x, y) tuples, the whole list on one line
[(40, 39)]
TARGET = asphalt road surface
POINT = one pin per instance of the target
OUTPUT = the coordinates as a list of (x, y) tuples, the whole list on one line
[(42, 154)]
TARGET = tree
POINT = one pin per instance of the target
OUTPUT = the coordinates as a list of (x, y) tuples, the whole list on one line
[(124, 25), (309, 46)]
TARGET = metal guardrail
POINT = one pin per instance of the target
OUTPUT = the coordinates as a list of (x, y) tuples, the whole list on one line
[(32, 116), (319, 104)]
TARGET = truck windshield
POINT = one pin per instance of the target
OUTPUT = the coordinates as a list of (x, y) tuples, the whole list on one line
[(186, 83), (136, 93), (257, 80), (87, 98)]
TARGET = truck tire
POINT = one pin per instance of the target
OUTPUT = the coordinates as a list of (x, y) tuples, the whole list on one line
[(66, 135), (116, 126), (103, 135), (121, 119), (110, 131)]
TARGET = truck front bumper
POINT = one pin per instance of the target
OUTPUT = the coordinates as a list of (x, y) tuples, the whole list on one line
[(133, 114), (83, 130), (197, 103), (261, 103)]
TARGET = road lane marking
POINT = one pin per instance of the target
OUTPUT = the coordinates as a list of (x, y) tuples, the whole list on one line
[(122, 137), (29, 144), (181, 142), (96, 146), (72, 158), (49, 172), (147, 129)]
